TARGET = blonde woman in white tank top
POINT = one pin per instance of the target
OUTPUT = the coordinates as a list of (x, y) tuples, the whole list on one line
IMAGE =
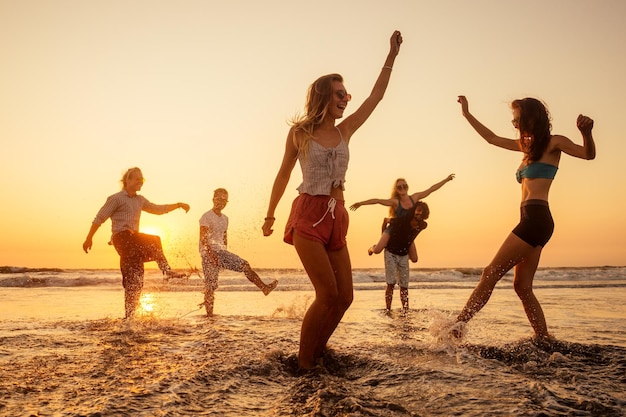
[(318, 222)]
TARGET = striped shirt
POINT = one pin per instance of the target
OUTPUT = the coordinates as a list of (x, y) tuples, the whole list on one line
[(323, 168), (125, 211)]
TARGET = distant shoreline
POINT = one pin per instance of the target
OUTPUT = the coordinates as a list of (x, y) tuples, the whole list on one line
[(465, 270)]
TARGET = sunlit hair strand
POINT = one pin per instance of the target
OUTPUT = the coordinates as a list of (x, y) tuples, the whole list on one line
[(318, 98)]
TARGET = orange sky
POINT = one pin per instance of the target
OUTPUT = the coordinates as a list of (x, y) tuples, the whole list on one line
[(198, 94)]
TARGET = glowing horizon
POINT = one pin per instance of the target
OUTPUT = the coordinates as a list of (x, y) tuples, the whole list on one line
[(91, 89)]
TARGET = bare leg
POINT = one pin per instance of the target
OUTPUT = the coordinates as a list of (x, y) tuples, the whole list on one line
[(256, 280), (523, 284), (331, 276), (404, 298), (512, 251), (389, 296), (382, 244)]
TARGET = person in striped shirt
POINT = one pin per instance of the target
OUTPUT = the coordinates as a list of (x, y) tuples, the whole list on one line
[(124, 209)]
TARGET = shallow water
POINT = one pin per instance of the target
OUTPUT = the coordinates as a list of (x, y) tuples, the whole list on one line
[(66, 351)]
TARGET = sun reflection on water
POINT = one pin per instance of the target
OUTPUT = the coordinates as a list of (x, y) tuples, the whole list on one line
[(147, 302)]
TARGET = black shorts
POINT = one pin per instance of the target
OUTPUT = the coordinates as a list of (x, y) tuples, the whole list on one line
[(536, 224)]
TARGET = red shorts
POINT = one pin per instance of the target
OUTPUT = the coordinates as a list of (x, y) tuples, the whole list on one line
[(320, 218)]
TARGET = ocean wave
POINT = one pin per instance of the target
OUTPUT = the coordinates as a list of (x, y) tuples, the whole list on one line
[(297, 279)]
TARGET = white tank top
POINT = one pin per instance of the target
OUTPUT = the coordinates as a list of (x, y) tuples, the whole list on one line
[(323, 168)]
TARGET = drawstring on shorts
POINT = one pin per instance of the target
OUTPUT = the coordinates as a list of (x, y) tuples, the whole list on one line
[(331, 208)]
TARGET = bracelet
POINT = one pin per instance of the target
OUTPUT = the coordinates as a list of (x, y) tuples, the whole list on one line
[(270, 218), (388, 67)]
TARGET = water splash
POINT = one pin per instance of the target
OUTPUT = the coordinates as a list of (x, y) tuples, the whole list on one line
[(446, 332)]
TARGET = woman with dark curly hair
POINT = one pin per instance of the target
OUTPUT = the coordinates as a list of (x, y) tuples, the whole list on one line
[(522, 248)]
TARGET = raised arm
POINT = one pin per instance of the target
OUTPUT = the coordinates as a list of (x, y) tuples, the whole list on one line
[(486, 133), (384, 201), (356, 119), (423, 194), (588, 148), (280, 183)]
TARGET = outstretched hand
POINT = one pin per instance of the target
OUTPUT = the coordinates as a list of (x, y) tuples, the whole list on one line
[(184, 206), (584, 124), (450, 177), (355, 206)]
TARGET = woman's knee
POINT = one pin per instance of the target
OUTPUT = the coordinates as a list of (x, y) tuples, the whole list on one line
[(345, 301), (333, 300), (492, 274), (522, 289)]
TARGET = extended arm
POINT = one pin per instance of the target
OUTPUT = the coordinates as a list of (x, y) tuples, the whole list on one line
[(356, 119), (383, 201), (423, 194), (486, 133), (163, 208), (281, 181)]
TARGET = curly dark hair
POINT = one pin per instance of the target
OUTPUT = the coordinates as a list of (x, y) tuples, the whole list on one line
[(534, 127)]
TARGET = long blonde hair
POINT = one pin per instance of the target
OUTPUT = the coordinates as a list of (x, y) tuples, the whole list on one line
[(318, 98), (394, 194)]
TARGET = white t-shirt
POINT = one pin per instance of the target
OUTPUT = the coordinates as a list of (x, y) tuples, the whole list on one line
[(217, 226)]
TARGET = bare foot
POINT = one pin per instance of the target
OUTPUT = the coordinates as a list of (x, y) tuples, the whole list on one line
[(458, 330), (546, 342), (269, 287), (172, 274)]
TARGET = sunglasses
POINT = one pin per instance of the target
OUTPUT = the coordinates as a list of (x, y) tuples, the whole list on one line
[(342, 95), (402, 187)]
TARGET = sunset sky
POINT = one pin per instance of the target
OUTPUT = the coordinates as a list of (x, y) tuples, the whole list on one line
[(198, 95)]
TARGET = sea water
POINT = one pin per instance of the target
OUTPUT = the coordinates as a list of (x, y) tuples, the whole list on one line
[(65, 349)]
